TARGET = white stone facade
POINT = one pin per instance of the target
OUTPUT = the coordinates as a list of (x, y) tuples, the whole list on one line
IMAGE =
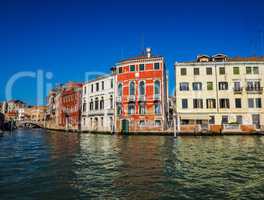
[(98, 105)]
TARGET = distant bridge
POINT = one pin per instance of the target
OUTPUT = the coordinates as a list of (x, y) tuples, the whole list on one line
[(29, 124)]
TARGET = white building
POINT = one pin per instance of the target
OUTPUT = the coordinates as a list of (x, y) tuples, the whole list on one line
[(98, 104), (219, 93)]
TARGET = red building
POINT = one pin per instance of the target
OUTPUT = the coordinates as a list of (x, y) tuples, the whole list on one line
[(70, 106), (141, 94)]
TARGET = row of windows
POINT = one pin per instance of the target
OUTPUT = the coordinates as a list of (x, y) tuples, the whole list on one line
[(141, 109), (141, 88), (222, 71), (223, 103), (251, 85), (96, 87), (97, 104), (132, 68), (69, 98)]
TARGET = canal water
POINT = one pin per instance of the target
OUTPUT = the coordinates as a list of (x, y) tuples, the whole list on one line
[(35, 164)]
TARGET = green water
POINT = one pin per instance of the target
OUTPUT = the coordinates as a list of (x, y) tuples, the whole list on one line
[(35, 164)]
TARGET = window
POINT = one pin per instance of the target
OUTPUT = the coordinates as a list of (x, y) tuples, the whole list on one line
[(237, 86), (253, 86), (197, 86), (248, 70), (102, 103), (102, 85), (258, 103), (142, 88), (184, 86), (141, 67), (157, 123), (91, 104), (197, 103), (156, 66), (157, 87), (111, 102), (183, 71), (238, 103), (132, 88), (97, 87), (142, 123), (142, 109), (112, 83), (84, 106), (120, 88), (211, 119), (255, 70), (209, 71), (239, 119), (92, 88), (236, 71), (184, 103), (221, 70), (119, 109), (157, 108), (131, 109), (132, 68), (96, 103), (224, 119), (251, 103), (210, 103), (196, 71), (224, 103), (120, 70), (84, 90), (210, 86), (223, 85)]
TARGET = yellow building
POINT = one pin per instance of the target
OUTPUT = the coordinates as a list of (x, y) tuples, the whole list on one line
[(219, 93)]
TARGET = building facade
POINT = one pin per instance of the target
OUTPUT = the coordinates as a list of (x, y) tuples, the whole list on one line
[(69, 114), (98, 104), (141, 94), (219, 93)]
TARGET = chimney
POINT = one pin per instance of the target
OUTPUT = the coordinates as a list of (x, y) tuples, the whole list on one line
[(148, 51)]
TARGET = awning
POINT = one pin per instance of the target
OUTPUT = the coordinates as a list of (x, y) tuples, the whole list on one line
[(194, 117)]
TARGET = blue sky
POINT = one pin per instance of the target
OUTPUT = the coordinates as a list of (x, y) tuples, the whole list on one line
[(71, 37)]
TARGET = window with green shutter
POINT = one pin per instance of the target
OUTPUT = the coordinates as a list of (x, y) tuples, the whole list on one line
[(141, 67), (132, 68), (236, 70)]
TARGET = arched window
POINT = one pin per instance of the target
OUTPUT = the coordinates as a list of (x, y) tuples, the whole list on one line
[(84, 106), (111, 102), (102, 103), (120, 88), (96, 103), (142, 88), (157, 87), (132, 88), (91, 104)]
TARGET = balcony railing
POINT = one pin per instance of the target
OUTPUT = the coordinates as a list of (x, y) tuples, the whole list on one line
[(254, 90), (118, 99), (142, 98), (238, 90), (132, 98), (157, 97)]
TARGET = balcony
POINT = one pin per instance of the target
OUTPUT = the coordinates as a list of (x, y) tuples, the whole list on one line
[(254, 90), (157, 97), (132, 98), (118, 99), (238, 90), (142, 98)]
